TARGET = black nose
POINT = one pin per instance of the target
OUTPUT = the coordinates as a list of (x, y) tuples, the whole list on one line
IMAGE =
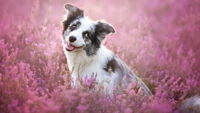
[(72, 38)]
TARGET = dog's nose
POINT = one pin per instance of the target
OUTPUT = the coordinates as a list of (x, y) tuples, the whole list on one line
[(72, 38)]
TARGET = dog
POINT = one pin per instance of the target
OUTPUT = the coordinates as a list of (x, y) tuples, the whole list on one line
[(87, 56)]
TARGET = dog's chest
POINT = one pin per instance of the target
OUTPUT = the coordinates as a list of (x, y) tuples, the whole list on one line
[(93, 69), (82, 66)]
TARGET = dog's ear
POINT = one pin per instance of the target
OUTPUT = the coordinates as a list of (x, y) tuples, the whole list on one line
[(73, 11), (103, 29), (72, 14)]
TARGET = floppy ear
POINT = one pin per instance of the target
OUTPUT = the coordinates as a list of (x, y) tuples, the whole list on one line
[(73, 11), (72, 14), (103, 29)]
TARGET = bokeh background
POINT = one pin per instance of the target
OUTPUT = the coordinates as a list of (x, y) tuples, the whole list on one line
[(158, 39)]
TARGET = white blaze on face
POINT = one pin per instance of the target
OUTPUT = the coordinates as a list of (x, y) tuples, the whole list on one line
[(85, 25)]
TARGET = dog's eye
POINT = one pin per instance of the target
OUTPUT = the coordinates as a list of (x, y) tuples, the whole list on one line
[(86, 34), (73, 27)]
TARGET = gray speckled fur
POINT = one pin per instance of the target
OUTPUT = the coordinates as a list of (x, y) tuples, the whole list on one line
[(191, 105), (123, 71)]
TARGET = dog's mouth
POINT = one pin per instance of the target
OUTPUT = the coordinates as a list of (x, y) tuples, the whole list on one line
[(71, 47)]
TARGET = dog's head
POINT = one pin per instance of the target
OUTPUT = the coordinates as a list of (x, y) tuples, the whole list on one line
[(82, 34)]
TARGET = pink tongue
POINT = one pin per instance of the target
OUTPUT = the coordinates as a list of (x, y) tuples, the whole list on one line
[(70, 47)]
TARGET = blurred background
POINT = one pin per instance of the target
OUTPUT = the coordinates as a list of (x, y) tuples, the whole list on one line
[(158, 39)]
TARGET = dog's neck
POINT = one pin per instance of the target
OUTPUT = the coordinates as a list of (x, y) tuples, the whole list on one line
[(80, 59)]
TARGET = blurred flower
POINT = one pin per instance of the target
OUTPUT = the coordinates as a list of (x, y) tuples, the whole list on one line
[(159, 40)]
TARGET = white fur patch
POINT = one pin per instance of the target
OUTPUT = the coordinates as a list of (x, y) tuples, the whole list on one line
[(81, 65)]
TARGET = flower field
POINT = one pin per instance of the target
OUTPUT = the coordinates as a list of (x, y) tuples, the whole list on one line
[(159, 40)]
